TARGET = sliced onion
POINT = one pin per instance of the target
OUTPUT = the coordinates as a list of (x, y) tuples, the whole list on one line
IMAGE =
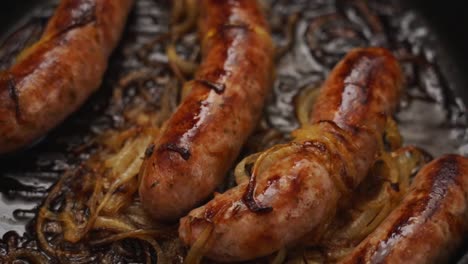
[(191, 14), (304, 104), (186, 67), (198, 249), (280, 257), (240, 172)]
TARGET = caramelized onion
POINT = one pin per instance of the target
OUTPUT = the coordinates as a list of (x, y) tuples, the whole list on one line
[(191, 12), (241, 172), (195, 254), (304, 104)]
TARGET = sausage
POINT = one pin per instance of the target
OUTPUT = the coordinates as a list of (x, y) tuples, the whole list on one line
[(201, 140), (53, 77), (298, 193), (429, 224)]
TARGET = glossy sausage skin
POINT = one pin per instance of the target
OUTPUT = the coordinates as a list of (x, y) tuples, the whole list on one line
[(298, 190), (52, 78), (203, 137), (429, 224)]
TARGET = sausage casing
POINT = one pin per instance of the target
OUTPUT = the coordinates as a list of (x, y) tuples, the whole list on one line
[(202, 138), (429, 224), (299, 191), (52, 78)]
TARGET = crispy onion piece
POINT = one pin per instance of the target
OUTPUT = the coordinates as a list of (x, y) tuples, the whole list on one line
[(304, 104), (242, 172), (189, 20), (178, 64), (184, 17), (198, 249), (280, 257), (24, 255)]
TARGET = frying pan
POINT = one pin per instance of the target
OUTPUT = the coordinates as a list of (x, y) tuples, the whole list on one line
[(447, 22)]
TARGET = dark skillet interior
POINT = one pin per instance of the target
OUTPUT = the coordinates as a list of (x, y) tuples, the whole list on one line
[(448, 21), (12, 10)]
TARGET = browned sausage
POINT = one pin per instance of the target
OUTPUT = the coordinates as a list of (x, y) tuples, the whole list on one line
[(52, 78), (203, 137), (429, 224), (298, 193)]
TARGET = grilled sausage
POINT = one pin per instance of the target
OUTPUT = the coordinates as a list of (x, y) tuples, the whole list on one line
[(429, 224), (52, 78), (203, 137), (298, 193)]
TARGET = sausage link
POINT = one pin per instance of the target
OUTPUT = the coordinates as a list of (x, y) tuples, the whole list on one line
[(429, 224), (52, 78), (299, 191), (202, 138)]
